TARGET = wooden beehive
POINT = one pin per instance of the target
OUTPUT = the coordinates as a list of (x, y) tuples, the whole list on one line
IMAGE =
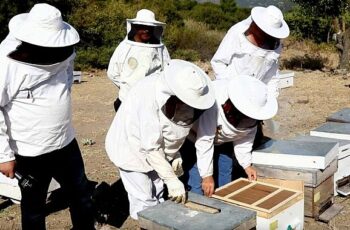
[(267, 199), (318, 189)]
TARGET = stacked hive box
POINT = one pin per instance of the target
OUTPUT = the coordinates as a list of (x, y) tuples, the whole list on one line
[(342, 175), (312, 162)]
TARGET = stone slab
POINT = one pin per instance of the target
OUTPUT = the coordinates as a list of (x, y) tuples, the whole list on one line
[(169, 215), (333, 130), (303, 154), (342, 116)]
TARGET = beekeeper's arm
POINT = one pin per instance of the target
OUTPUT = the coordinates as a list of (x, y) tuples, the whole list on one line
[(206, 131), (223, 56), (114, 67), (271, 78), (151, 139), (243, 151), (7, 157)]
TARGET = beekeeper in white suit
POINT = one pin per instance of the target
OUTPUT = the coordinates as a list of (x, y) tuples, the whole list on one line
[(252, 47), (140, 54), (150, 127), (37, 139), (240, 103)]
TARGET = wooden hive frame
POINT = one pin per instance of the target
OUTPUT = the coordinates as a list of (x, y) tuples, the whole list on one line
[(267, 199)]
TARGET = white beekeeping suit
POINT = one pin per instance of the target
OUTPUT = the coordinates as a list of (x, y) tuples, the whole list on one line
[(237, 55), (150, 127), (132, 60)]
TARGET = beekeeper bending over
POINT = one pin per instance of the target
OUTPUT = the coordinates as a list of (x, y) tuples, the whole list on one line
[(140, 54), (150, 127), (240, 103)]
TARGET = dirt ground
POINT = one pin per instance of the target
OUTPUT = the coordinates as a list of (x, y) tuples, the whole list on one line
[(302, 107)]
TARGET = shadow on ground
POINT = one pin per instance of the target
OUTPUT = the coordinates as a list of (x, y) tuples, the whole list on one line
[(110, 201)]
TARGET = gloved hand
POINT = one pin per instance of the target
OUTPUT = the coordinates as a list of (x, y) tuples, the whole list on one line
[(176, 190), (176, 164)]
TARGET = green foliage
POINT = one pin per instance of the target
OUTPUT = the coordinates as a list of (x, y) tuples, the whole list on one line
[(304, 25), (219, 17), (186, 54), (193, 38), (330, 8), (312, 62)]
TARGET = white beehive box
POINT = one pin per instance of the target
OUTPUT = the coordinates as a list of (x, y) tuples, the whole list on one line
[(289, 153), (9, 188), (286, 79), (76, 76), (278, 206), (343, 170)]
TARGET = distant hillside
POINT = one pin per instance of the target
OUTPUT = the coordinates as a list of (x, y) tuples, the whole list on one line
[(284, 5)]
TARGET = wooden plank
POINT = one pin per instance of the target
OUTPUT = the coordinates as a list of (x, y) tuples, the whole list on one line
[(311, 177), (330, 213), (295, 185), (253, 193), (232, 187)]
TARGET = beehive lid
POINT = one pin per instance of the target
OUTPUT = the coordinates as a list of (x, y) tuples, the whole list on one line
[(267, 199), (333, 130), (340, 116), (344, 145), (289, 153)]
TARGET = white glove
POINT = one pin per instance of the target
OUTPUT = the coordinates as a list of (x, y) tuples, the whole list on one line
[(176, 190), (176, 164)]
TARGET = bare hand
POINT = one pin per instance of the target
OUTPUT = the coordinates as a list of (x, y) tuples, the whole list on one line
[(251, 172), (208, 186), (8, 168)]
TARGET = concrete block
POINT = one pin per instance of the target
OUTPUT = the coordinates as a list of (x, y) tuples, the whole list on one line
[(317, 155), (333, 130), (169, 215), (342, 116)]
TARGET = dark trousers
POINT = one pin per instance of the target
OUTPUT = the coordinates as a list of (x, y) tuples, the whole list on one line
[(225, 164), (67, 167)]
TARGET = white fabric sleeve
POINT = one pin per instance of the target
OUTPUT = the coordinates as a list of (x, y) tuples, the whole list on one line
[(206, 131), (272, 80), (6, 153), (243, 148), (223, 56), (113, 71), (166, 56), (151, 139), (70, 70)]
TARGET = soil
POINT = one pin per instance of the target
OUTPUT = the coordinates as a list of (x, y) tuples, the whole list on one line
[(302, 107)]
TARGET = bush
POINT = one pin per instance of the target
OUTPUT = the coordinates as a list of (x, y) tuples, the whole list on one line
[(305, 62), (194, 36), (186, 54)]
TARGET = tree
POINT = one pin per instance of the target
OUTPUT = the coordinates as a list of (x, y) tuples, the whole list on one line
[(335, 11)]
